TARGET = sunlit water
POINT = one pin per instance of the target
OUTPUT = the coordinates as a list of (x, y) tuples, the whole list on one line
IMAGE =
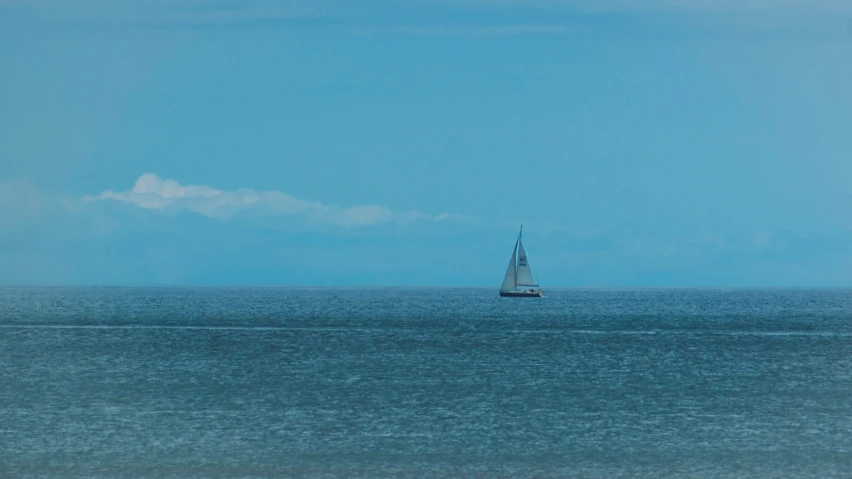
[(275, 382)]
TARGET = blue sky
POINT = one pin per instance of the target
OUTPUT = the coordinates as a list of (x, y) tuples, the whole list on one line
[(641, 143)]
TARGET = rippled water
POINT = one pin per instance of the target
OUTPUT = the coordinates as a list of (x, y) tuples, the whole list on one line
[(269, 382)]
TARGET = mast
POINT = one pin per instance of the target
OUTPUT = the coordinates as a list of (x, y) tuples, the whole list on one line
[(517, 244)]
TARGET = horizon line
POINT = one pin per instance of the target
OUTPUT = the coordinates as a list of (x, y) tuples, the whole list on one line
[(403, 286)]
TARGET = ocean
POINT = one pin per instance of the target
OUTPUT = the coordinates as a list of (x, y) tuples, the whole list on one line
[(433, 383)]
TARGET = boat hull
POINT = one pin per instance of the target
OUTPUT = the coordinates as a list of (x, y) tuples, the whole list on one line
[(521, 294)]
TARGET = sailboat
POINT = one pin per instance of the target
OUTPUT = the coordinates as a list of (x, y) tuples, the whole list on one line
[(519, 282)]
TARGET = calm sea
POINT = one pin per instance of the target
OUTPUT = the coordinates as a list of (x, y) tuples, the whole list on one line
[(373, 383)]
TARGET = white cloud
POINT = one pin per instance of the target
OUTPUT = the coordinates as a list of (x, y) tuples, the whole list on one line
[(170, 197)]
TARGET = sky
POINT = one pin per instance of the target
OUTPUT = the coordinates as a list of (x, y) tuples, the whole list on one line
[(642, 143)]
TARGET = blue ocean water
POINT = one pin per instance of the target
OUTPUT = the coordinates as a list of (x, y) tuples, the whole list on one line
[(372, 383)]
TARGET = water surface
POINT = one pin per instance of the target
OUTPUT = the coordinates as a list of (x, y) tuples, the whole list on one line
[(301, 382)]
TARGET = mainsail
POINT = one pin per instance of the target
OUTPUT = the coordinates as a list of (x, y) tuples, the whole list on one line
[(524, 274)]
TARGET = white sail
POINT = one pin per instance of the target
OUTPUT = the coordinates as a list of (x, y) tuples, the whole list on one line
[(509, 281), (524, 274)]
